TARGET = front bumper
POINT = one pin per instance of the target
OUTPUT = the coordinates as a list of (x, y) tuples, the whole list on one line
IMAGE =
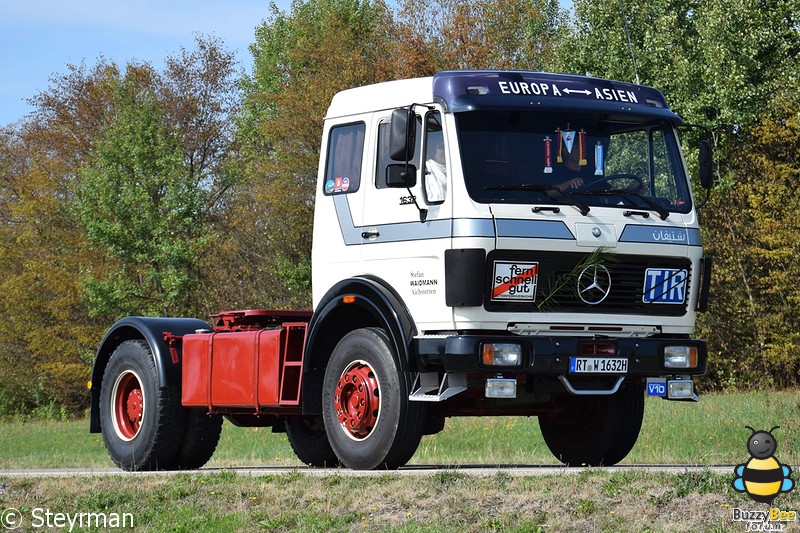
[(551, 355)]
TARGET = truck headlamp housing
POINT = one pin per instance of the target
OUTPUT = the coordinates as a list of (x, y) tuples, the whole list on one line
[(680, 357), (501, 354)]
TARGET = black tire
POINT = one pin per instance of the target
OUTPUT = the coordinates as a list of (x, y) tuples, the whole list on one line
[(200, 438), (389, 430), (597, 430), (310, 442), (142, 424)]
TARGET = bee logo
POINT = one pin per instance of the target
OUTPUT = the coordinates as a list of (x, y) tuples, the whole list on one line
[(762, 477)]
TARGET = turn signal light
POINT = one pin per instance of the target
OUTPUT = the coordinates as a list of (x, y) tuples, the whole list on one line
[(501, 354)]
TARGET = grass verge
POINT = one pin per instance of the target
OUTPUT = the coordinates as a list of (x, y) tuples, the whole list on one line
[(709, 432), (448, 500)]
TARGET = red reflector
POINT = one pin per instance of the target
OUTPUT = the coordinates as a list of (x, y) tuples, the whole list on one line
[(598, 349)]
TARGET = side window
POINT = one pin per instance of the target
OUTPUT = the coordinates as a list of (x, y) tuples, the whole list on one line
[(345, 153), (383, 153), (435, 177), (664, 185)]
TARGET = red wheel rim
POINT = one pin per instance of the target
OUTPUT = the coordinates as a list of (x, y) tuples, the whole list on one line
[(357, 402), (127, 405)]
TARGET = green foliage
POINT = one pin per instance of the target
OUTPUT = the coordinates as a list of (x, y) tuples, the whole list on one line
[(477, 34), (107, 193), (756, 245), (138, 205), (568, 281), (286, 94), (718, 62), (188, 190)]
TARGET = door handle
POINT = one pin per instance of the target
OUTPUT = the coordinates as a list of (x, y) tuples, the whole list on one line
[(371, 233)]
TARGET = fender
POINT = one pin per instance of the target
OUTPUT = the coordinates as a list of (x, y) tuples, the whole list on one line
[(374, 304), (151, 330)]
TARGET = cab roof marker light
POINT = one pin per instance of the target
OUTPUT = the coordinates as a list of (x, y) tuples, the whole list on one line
[(477, 89)]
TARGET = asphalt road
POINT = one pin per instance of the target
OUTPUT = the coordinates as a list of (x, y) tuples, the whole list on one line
[(414, 470)]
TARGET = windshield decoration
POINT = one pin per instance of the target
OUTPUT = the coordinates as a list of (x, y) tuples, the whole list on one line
[(598, 159), (566, 145), (585, 160), (548, 156)]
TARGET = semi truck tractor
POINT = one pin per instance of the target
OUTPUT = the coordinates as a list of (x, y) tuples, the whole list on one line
[(485, 243)]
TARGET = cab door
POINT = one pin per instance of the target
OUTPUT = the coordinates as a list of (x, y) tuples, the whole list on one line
[(406, 230)]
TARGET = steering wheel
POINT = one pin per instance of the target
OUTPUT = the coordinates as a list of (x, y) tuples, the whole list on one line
[(616, 177)]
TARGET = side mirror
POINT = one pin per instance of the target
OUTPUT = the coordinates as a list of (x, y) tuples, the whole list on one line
[(402, 134), (401, 176), (706, 166)]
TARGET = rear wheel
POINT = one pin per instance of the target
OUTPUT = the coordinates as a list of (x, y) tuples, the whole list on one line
[(200, 438), (310, 442), (596, 430), (370, 422), (142, 424)]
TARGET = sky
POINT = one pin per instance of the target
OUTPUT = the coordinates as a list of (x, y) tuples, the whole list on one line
[(39, 38)]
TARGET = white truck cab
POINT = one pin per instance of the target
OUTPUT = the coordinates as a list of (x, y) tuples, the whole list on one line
[(539, 235)]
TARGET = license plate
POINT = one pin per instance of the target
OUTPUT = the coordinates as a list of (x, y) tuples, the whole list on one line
[(598, 365)]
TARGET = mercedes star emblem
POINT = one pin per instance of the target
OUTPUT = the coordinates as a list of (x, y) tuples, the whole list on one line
[(594, 284)]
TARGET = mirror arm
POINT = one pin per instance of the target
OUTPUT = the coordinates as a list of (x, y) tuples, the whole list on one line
[(423, 213), (705, 200)]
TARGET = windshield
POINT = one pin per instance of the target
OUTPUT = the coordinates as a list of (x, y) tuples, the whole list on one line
[(528, 157)]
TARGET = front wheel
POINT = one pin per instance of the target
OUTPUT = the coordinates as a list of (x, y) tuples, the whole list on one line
[(596, 430), (369, 420)]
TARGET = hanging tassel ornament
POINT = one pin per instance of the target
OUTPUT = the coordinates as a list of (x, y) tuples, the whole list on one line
[(548, 156), (559, 158), (598, 159), (582, 147)]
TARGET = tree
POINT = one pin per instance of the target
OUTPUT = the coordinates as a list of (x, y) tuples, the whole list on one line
[(136, 205), (83, 121), (301, 59), (457, 34), (154, 181), (719, 61), (756, 294)]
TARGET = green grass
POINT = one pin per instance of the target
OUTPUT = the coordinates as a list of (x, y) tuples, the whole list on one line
[(709, 432), (594, 500)]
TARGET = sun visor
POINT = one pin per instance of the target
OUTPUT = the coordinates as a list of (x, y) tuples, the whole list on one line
[(472, 90)]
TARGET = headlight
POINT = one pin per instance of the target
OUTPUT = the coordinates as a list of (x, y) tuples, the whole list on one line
[(501, 354), (680, 357)]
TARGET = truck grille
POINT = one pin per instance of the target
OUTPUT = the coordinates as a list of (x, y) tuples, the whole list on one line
[(557, 289)]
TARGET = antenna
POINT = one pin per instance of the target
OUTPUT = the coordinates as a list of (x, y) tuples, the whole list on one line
[(628, 36)]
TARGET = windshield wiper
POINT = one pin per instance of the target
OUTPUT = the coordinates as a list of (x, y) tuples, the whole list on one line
[(548, 190), (653, 205)]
